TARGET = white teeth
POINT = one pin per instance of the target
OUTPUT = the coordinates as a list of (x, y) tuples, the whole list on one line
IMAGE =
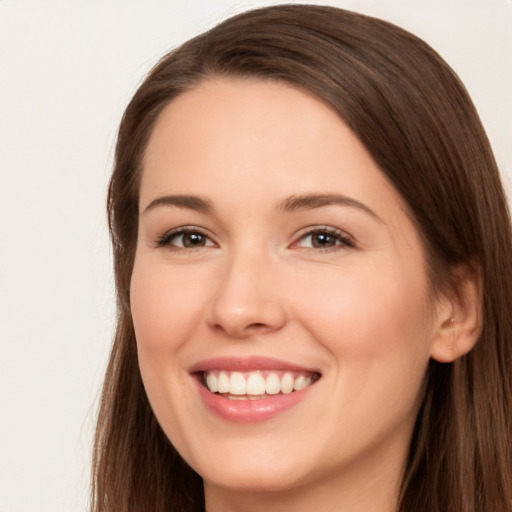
[(301, 382), (273, 384), (237, 384), (287, 383), (222, 383), (255, 385), (211, 382)]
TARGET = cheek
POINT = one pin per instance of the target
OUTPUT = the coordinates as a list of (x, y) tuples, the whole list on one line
[(376, 328), (165, 307), (367, 315)]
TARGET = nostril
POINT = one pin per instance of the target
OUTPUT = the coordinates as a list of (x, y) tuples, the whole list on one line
[(257, 326), (242, 331)]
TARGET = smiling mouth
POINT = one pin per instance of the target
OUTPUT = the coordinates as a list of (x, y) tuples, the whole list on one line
[(256, 385)]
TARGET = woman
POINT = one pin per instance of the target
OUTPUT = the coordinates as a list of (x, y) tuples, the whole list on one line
[(311, 250)]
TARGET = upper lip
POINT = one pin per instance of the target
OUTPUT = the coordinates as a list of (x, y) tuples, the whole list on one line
[(247, 364)]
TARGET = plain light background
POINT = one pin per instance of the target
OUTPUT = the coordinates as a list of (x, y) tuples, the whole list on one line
[(67, 70)]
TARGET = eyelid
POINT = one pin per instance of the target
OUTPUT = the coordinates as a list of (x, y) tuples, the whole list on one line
[(164, 240), (347, 241)]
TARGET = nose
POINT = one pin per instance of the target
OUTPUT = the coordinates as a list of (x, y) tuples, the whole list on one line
[(248, 299)]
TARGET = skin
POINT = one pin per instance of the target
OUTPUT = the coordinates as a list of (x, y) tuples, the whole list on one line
[(258, 283)]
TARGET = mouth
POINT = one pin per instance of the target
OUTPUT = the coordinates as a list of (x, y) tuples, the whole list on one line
[(253, 389), (258, 384)]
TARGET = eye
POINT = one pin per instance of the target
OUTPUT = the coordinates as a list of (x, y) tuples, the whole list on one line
[(324, 238), (185, 238)]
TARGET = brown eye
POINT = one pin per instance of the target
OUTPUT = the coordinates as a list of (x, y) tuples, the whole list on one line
[(185, 239), (193, 239), (325, 239), (321, 240)]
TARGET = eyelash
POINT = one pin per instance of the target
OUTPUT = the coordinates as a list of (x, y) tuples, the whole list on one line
[(339, 236), (166, 238), (342, 237)]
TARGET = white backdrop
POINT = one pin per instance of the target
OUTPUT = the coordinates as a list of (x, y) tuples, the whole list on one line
[(67, 69)]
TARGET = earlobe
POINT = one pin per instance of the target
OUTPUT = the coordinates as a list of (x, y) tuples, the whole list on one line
[(459, 318)]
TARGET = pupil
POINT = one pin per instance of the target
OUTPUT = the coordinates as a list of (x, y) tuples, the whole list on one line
[(322, 240), (193, 239)]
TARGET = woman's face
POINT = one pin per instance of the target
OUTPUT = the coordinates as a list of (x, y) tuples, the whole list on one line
[(276, 265)]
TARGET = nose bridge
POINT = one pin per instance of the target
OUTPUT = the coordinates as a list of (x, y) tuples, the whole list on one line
[(246, 298)]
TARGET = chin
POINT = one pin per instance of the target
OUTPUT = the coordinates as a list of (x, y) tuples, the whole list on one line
[(253, 478), (254, 469)]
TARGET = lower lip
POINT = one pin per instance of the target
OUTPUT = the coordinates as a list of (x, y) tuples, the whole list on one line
[(250, 411)]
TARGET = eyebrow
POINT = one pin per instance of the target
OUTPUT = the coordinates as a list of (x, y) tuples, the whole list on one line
[(311, 201), (195, 203), (289, 205)]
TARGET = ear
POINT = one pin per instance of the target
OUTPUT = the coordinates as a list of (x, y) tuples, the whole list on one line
[(459, 317)]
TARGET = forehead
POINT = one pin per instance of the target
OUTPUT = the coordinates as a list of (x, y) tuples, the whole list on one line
[(238, 132)]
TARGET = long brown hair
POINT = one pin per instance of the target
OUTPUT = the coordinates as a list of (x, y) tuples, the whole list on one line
[(417, 121)]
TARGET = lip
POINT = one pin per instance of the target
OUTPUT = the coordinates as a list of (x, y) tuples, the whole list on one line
[(248, 411), (247, 364)]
